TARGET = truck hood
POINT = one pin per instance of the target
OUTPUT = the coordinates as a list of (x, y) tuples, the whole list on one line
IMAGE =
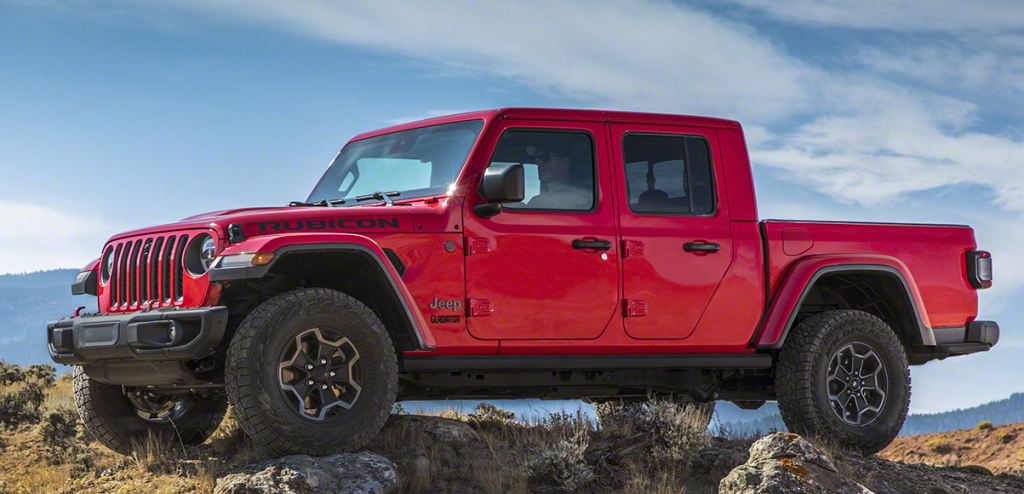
[(428, 215)]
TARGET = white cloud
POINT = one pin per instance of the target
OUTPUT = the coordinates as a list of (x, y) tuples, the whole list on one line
[(898, 15), (35, 237), (642, 55)]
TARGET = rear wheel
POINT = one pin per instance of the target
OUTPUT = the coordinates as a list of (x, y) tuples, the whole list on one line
[(121, 417), (312, 371), (842, 376)]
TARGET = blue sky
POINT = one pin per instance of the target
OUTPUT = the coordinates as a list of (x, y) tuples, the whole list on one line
[(119, 114)]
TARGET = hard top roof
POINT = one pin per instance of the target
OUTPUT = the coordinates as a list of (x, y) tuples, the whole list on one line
[(562, 114)]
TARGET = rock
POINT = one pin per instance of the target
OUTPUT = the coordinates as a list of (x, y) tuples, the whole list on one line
[(449, 431), (785, 463), (975, 469), (359, 473)]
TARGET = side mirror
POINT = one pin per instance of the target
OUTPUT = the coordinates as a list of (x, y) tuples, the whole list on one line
[(501, 183)]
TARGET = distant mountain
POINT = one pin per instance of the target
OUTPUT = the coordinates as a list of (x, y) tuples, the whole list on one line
[(27, 302), (1006, 411)]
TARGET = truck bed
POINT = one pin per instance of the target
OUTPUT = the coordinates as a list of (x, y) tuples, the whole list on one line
[(933, 255)]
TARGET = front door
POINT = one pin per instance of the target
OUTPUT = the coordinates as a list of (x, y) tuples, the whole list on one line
[(546, 268), (677, 243)]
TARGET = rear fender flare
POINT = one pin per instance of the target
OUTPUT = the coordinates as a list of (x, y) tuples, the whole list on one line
[(805, 273), (284, 245)]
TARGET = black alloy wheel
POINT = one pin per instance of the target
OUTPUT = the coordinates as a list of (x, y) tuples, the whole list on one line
[(857, 384), (319, 374)]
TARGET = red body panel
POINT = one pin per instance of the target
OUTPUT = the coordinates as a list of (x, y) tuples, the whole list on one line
[(535, 295)]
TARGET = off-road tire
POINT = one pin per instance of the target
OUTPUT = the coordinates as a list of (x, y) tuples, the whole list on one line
[(110, 418), (801, 379), (253, 376)]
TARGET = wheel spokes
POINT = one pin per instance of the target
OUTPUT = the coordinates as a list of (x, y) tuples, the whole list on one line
[(856, 384), (320, 374)]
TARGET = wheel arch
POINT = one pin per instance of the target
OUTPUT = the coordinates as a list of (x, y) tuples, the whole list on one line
[(354, 265), (878, 285)]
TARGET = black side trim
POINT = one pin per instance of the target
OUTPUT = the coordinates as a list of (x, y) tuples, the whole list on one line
[(583, 362), (86, 286), (927, 336), (396, 262), (251, 272)]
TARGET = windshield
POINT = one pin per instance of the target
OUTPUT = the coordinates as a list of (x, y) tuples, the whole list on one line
[(416, 162)]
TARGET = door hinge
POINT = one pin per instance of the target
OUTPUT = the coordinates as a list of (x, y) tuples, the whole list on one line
[(477, 245), (635, 308), (477, 307), (632, 248)]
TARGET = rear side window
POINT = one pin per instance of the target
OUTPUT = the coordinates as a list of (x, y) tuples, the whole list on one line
[(668, 174)]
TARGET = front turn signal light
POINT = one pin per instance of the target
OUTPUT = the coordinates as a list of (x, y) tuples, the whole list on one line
[(262, 258)]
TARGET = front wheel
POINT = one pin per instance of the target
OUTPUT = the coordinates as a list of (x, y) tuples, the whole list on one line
[(122, 417), (842, 376), (312, 371)]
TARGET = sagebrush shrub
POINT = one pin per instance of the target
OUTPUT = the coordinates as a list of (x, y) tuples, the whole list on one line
[(565, 465), (59, 430), (44, 374), (677, 431), (984, 425), (487, 412), (21, 405), (10, 374), (1006, 437), (939, 445)]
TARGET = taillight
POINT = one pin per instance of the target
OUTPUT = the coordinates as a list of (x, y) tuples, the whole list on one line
[(979, 269)]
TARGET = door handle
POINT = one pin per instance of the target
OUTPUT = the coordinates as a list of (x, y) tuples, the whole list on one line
[(701, 247), (591, 244)]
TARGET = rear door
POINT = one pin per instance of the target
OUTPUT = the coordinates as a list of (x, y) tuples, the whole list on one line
[(674, 223), (546, 268)]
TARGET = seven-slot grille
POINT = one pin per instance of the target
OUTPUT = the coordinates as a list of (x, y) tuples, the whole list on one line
[(147, 271)]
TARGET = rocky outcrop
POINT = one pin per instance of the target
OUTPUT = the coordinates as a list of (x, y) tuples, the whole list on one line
[(785, 463), (361, 473)]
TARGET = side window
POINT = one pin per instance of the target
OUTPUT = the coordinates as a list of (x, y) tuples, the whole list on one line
[(668, 174), (559, 168)]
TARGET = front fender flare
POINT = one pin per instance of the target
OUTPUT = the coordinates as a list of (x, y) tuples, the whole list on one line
[(801, 278), (283, 245)]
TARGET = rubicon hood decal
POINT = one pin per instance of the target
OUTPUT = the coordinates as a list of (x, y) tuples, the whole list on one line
[(339, 224)]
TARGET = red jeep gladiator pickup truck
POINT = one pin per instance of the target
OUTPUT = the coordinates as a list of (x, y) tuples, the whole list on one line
[(517, 253)]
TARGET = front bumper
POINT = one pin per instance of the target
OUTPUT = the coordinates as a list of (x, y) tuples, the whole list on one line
[(168, 334)]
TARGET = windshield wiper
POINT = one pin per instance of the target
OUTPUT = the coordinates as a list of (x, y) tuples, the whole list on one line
[(380, 196), (324, 203)]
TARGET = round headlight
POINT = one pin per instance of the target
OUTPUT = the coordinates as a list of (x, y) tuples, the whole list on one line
[(200, 254), (108, 265)]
